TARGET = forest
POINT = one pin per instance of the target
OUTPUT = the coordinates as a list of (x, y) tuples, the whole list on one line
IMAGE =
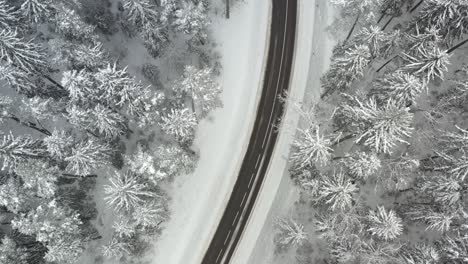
[(99, 103), (381, 158)]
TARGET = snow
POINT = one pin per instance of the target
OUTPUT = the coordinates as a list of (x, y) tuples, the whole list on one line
[(199, 199)]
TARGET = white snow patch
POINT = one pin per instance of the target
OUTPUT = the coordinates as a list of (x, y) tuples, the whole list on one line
[(199, 199)]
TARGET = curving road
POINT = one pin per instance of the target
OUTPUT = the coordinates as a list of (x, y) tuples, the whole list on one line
[(264, 134)]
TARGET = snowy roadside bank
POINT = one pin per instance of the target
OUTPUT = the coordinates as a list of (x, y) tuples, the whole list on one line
[(312, 53), (199, 199)]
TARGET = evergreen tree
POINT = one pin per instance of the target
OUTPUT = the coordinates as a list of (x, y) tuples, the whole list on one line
[(427, 63), (14, 197), (18, 80), (39, 177), (385, 224), (379, 127), (336, 191), (362, 165), (70, 25), (87, 156), (202, 88), (420, 254), (445, 190), (58, 144), (66, 250), (108, 123), (191, 17), (141, 12), (127, 192), (173, 160), (116, 248), (455, 249), (150, 214), (12, 253), (403, 88), (311, 146), (8, 16), (290, 233), (374, 37), (24, 55), (180, 123), (36, 10), (15, 150)]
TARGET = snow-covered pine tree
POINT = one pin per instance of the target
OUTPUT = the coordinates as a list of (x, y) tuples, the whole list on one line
[(49, 223), (124, 227), (200, 85), (87, 156), (445, 189), (14, 197), (35, 11), (116, 248), (403, 88), (9, 16), (428, 63), (12, 253), (173, 160), (39, 177), (337, 191), (454, 248), (435, 219), (126, 191), (368, 8), (362, 165), (141, 12), (180, 123), (15, 150), (24, 55), (191, 17), (77, 56), (345, 68), (428, 39), (384, 224), (79, 85), (150, 214), (373, 36), (58, 144), (420, 254), (378, 127), (66, 250), (18, 80), (448, 16), (108, 123), (290, 233), (70, 25), (311, 146)]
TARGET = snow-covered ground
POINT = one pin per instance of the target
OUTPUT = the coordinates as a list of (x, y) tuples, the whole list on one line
[(198, 200), (277, 197)]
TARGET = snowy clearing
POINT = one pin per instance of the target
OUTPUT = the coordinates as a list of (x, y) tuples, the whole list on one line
[(199, 199)]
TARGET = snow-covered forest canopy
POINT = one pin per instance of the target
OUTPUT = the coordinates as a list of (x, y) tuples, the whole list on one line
[(381, 159), (99, 104)]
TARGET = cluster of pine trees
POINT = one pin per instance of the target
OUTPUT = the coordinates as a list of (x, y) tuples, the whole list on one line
[(71, 111), (387, 174)]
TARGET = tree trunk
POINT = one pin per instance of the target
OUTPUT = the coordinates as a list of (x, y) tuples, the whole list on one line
[(68, 175), (30, 125), (456, 46), (54, 82), (227, 9), (416, 6), (388, 22), (342, 139), (381, 17), (385, 64), (352, 28)]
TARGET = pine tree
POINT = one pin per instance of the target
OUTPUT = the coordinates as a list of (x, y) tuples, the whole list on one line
[(428, 39), (87, 156), (126, 192), (362, 165), (403, 88), (172, 160), (180, 123), (379, 127), (8, 15), (25, 55), (448, 16), (58, 144), (18, 80), (79, 85), (336, 191), (385, 224), (374, 37), (12, 253), (141, 12), (150, 214), (39, 177), (202, 88), (190, 17), (440, 221), (36, 10), (290, 233), (455, 249), (311, 146), (427, 63), (141, 162), (108, 123), (14, 197), (116, 248), (420, 254), (66, 250), (445, 190), (70, 25), (124, 227), (50, 223), (15, 150)]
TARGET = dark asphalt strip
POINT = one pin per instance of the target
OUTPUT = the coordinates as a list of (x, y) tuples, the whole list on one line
[(264, 134)]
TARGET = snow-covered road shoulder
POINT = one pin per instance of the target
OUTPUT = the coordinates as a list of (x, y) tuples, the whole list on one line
[(199, 199)]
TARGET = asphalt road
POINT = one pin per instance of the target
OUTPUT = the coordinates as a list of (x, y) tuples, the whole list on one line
[(264, 134)]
